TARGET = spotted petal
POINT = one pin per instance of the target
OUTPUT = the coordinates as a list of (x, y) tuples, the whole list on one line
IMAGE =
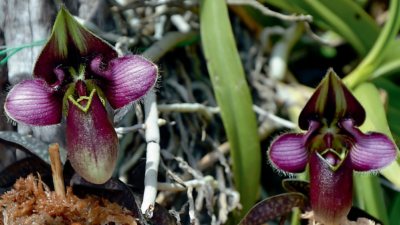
[(70, 44), (127, 79), (331, 102), (33, 102), (289, 151), (371, 151)]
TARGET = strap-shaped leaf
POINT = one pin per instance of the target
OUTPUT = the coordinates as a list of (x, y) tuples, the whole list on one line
[(366, 186), (390, 65), (368, 95), (379, 50), (393, 110), (344, 17), (274, 207), (233, 97)]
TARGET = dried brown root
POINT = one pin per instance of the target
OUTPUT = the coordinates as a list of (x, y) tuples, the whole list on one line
[(31, 202)]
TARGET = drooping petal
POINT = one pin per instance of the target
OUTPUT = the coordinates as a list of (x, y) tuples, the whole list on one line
[(127, 79), (92, 143), (289, 151), (331, 192), (371, 151), (332, 101), (70, 44), (34, 103)]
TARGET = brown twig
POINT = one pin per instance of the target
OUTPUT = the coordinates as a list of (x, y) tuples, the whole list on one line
[(57, 171)]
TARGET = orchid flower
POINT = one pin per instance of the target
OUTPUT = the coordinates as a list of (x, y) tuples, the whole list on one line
[(75, 74), (333, 147)]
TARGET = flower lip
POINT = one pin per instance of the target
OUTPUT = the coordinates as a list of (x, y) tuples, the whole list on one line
[(331, 103), (92, 158), (333, 158), (331, 192)]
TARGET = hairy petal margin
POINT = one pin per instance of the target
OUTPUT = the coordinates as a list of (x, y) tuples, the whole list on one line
[(371, 151), (127, 79), (289, 151)]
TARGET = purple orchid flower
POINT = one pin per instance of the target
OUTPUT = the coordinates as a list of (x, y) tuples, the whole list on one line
[(75, 74), (333, 147)]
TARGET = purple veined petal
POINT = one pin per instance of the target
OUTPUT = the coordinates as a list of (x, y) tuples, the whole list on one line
[(370, 151), (92, 144), (128, 79), (70, 44), (34, 103), (289, 152), (331, 192), (332, 101)]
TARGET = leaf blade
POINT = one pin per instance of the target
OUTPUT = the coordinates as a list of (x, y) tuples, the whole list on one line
[(368, 188), (274, 207), (233, 97)]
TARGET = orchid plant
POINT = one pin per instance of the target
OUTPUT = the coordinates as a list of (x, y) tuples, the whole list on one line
[(76, 74), (333, 147)]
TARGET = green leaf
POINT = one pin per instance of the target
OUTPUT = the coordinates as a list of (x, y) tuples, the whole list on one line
[(368, 95), (394, 216), (344, 17), (370, 197), (233, 97), (368, 189), (393, 112), (375, 56), (391, 63)]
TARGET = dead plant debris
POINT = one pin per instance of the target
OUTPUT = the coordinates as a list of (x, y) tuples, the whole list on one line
[(32, 202)]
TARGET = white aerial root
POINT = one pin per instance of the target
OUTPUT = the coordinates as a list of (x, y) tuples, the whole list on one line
[(152, 134)]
